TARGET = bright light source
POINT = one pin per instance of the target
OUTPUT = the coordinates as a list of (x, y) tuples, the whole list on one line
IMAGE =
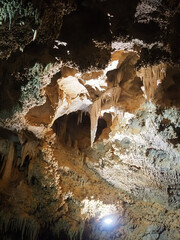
[(108, 221)]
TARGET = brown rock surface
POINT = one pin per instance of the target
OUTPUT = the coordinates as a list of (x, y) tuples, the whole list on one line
[(89, 120)]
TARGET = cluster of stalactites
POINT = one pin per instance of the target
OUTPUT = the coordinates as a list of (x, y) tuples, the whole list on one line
[(30, 149), (27, 225), (80, 116), (8, 159), (107, 99), (151, 77), (116, 77)]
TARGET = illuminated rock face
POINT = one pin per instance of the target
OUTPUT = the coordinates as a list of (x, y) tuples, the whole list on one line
[(89, 120)]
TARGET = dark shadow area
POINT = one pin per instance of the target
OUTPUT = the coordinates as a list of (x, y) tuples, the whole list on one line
[(147, 32), (152, 56), (80, 28), (123, 16), (101, 125), (9, 135), (73, 129), (2, 165), (168, 92), (46, 234), (26, 162), (11, 235), (173, 36)]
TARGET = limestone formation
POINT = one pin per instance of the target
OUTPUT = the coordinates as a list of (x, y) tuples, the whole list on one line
[(89, 120)]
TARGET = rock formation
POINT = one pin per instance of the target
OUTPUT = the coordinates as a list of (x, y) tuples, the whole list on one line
[(89, 120)]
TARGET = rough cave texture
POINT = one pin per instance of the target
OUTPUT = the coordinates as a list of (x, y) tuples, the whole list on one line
[(89, 119)]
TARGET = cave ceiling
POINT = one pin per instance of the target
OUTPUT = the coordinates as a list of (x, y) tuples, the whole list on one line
[(89, 120)]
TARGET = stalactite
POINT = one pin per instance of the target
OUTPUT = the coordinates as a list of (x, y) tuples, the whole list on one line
[(110, 97), (150, 76), (3, 164), (9, 163), (81, 230), (69, 141), (73, 234), (94, 115), (23, 227), (61, 128), (125, 72), (124, 68), (29, 148), (29, 227), (80, 116)]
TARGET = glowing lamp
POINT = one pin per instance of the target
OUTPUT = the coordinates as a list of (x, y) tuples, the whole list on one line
[(108, 221)]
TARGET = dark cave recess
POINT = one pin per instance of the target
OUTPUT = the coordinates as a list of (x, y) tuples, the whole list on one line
[(74, 129)]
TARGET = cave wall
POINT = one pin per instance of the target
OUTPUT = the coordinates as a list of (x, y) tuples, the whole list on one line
[(89, 119)]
